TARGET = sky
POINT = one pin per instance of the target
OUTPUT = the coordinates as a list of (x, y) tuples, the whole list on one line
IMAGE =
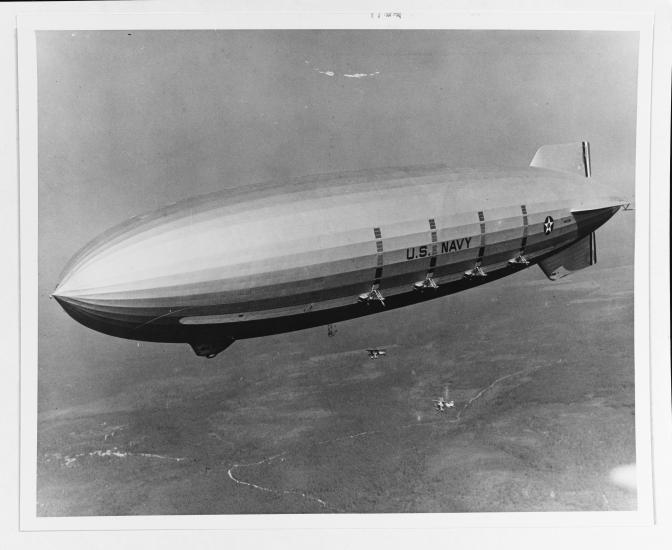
[(132, 120)]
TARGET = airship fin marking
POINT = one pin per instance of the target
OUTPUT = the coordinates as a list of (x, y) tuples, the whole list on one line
[(586, 157)]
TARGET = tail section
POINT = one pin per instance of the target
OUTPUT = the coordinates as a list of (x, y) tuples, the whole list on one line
[(565, 157)]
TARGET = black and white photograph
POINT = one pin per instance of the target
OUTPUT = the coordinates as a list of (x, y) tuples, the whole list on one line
[(386, 295), (340, 272)]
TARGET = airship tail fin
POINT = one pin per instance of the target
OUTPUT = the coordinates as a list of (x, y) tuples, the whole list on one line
[(581, 254), (565, 157)]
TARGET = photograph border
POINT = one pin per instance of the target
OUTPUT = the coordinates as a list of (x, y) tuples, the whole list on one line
[(448, 20)]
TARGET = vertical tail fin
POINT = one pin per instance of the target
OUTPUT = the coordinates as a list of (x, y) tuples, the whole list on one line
[(582, 253), (565, 157)]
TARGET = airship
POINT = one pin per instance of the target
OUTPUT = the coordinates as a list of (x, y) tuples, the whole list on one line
[(283, 256)]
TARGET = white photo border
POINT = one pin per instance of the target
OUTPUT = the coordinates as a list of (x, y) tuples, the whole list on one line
[(27, 75)]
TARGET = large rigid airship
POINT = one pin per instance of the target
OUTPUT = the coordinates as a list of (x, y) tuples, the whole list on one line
[(268, 259)]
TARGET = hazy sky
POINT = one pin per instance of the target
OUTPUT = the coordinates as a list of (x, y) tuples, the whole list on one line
[(130, 121)]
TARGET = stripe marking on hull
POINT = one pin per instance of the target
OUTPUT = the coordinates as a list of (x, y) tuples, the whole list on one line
[(379, 260), (481, 250), (523, 242), (435, 247)]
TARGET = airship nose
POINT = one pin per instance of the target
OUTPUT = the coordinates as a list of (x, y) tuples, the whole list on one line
[(82, 312), (139, 276), (71, 290), (94, 288), (60, 292), (70, 306), (77, 307), (89, 292)]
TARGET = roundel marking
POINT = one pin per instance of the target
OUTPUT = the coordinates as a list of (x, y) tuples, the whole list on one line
[(548, 225)]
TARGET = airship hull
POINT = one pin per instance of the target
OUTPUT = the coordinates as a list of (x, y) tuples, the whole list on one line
[(277, 258)]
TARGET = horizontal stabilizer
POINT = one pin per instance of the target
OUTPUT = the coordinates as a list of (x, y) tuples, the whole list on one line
[(581, 254), (565, 157)]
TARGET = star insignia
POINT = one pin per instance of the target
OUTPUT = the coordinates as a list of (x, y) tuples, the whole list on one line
[(548, 225)]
